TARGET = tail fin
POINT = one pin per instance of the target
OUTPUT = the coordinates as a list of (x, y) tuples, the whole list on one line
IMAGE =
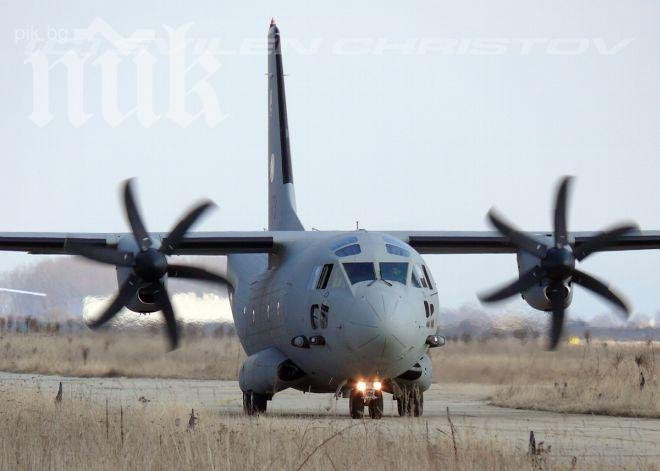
[(281, 196)]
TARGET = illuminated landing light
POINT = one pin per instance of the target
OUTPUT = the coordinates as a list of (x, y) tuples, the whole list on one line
[(361, 386), (574, 340), (378, 385)]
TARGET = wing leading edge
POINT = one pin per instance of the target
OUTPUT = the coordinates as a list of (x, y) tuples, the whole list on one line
[(211, 243), (475, 242)]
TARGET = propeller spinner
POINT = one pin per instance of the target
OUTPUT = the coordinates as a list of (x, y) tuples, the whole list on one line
[(557, 263), (149, 265)]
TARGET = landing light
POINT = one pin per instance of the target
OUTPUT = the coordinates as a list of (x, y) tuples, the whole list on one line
[(435, 341), (361, 386), (377, 385), (574, 340), (317, 340), (300, 341)]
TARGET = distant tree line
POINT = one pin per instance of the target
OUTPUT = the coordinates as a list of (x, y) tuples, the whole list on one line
[(28, 325), (67, 281)]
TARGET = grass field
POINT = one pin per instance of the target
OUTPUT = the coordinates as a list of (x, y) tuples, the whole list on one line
[(600, 377), (113, 353), (77, 433), (611, 379)]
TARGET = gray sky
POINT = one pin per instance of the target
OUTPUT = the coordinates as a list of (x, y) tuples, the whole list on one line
[(407, 138)]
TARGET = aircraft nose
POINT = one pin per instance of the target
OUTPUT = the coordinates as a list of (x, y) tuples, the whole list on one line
[(381, 328)]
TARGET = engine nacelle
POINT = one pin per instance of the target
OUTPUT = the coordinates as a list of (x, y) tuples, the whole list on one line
[(267, 372), (143, 301), (419, 376), (537, 296)]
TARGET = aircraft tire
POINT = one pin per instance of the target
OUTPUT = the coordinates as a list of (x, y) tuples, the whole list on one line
[(356, 404), (376, 406), (400, 406), (418, 403), (403, 403), (254, 404), (410, 402)]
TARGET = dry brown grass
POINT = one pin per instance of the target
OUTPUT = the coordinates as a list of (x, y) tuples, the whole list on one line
[(114, 353), (36, 433), (611, 379), (510, 361)]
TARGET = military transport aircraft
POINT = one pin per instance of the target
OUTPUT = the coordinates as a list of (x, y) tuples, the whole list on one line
[(348, 312)]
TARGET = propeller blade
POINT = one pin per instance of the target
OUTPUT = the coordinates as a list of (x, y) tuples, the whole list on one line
[(561, 231), (174, 237), (519, 239), (115, 257), (163, 299), (602, 240), (526, 280), (194, 273), (126, 292), (557, 321), (592, 284), (134, 219), (22, 291)]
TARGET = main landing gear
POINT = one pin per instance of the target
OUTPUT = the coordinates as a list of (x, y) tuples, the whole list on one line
[(254, 404), (410, 402), (372, 399)]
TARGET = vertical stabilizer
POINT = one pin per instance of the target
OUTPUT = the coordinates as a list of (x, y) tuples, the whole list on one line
[(281, 197)]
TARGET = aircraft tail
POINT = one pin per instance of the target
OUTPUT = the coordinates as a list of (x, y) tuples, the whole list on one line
[(281, 196)]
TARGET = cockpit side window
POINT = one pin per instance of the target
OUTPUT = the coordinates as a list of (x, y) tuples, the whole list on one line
[(360, 271), (322, 283), (427, 276), (418, 279), (337, 279), (414, 279), (316, 272), (327, 276), (394, 271)]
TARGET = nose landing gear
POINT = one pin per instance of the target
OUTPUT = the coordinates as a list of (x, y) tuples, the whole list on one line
[(410, 402), (371, 398), (356, 404)]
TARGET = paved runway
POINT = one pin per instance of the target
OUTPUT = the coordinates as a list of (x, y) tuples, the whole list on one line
[(569, 434)]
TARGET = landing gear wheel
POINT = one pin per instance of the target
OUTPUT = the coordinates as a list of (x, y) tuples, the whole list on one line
[(404, 403), (376, 406), (356, 404), (254, 404), (418, 403), (401, 406), (410, 402)]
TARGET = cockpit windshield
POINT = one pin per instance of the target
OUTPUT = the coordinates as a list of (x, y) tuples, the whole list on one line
[(360, 271), (394, 271)]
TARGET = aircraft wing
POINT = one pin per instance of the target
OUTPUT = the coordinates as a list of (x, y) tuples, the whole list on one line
[(195, 243), (474, 242), (228, 242)]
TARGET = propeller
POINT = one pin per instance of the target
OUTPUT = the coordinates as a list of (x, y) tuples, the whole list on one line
[(148, 265), (557, 263)]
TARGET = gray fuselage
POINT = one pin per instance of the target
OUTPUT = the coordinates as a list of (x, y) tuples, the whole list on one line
[(375, 322)]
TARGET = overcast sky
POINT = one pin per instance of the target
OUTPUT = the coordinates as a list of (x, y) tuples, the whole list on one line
[(402, 115)]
